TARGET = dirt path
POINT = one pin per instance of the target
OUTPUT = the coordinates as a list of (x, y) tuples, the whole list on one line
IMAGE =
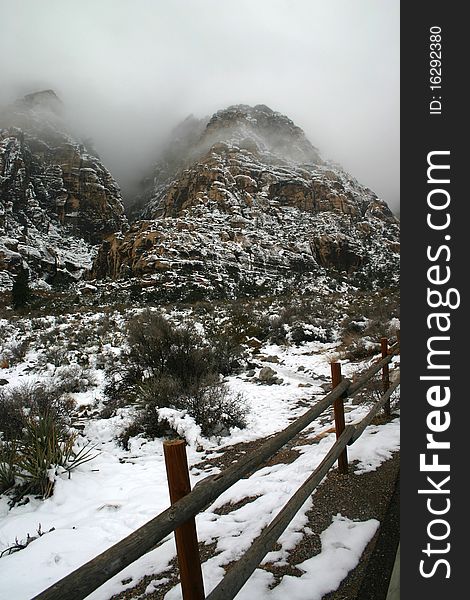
[(358, 497)]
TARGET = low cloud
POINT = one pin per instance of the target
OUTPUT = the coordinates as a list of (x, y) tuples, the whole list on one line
[(130, 71)]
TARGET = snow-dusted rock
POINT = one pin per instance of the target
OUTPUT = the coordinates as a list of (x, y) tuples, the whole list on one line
[(57, 200), (266, 374), (244, 204)]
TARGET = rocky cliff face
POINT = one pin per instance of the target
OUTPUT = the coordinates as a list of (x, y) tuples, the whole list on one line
[(243, 203), (57, 200)]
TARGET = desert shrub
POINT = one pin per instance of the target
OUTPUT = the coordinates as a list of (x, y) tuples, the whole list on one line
[(354, 327), (358, 348), (153, 395), (55, 354), (122, 386), (15, 351), (162, 392), (162, 349), (228, 353), (292, 319), (82, 337), (32, 400), (47, 335), (36, 440), (307, 332), (368, 319), (106, 327), (175, 367), (277, 330), (378, 307), (150, 339), (243, 322), (72, 379), (203, 308), (189, 359), (215, 408), (211, 404), (300, 320)]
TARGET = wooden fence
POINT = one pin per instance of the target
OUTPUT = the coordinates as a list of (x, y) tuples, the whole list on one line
[(186, 504)]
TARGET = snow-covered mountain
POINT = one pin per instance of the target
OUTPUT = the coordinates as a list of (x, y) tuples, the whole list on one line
[(57, 200), (242, 203)]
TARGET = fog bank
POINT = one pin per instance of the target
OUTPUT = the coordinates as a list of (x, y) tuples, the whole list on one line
[(128, 72)]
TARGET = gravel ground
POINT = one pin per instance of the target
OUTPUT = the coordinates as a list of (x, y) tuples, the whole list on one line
[(371, 495)]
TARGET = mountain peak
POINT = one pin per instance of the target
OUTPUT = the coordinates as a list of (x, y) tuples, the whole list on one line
[(41, 113), (270, 130), (43, 98), (241, 204)]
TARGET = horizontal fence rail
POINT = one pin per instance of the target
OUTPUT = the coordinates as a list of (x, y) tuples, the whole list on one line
[(87, 578), (359, 429), (239, 574), (375, 368)]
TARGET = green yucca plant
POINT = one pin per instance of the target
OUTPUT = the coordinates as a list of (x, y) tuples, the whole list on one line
[(36, 441), (45, 449), (8, 461)]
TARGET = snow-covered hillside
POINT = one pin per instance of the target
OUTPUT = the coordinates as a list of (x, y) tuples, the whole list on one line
[(57, 200), (120, 489)]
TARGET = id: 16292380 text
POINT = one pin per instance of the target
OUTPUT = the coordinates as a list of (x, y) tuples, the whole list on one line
[(435, 70)]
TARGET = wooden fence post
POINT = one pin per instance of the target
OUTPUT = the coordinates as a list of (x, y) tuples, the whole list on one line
[(385, 374), (338, 409), (186, 536)]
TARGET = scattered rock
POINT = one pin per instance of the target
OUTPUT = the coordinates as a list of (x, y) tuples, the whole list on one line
[(270, 358), (266, 374), (254, 343)]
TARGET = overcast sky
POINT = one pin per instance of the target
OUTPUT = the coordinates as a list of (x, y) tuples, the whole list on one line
[(129, 70)]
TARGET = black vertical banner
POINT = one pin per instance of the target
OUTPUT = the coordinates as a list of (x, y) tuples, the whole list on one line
[(435, 388)]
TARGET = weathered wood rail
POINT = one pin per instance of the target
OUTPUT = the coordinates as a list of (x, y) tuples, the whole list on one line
[(87, 578)]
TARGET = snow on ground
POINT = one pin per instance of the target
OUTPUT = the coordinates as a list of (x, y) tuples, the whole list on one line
[(342, 545), (118, 491)]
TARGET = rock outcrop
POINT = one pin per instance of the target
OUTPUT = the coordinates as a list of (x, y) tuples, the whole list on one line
[(57, 200), (243, 203)]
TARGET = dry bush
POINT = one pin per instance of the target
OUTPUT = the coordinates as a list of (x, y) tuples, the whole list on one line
[(174, 367), (15, 351), (160, 348)]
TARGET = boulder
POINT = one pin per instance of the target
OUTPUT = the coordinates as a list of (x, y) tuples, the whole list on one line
[(266, 374)]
